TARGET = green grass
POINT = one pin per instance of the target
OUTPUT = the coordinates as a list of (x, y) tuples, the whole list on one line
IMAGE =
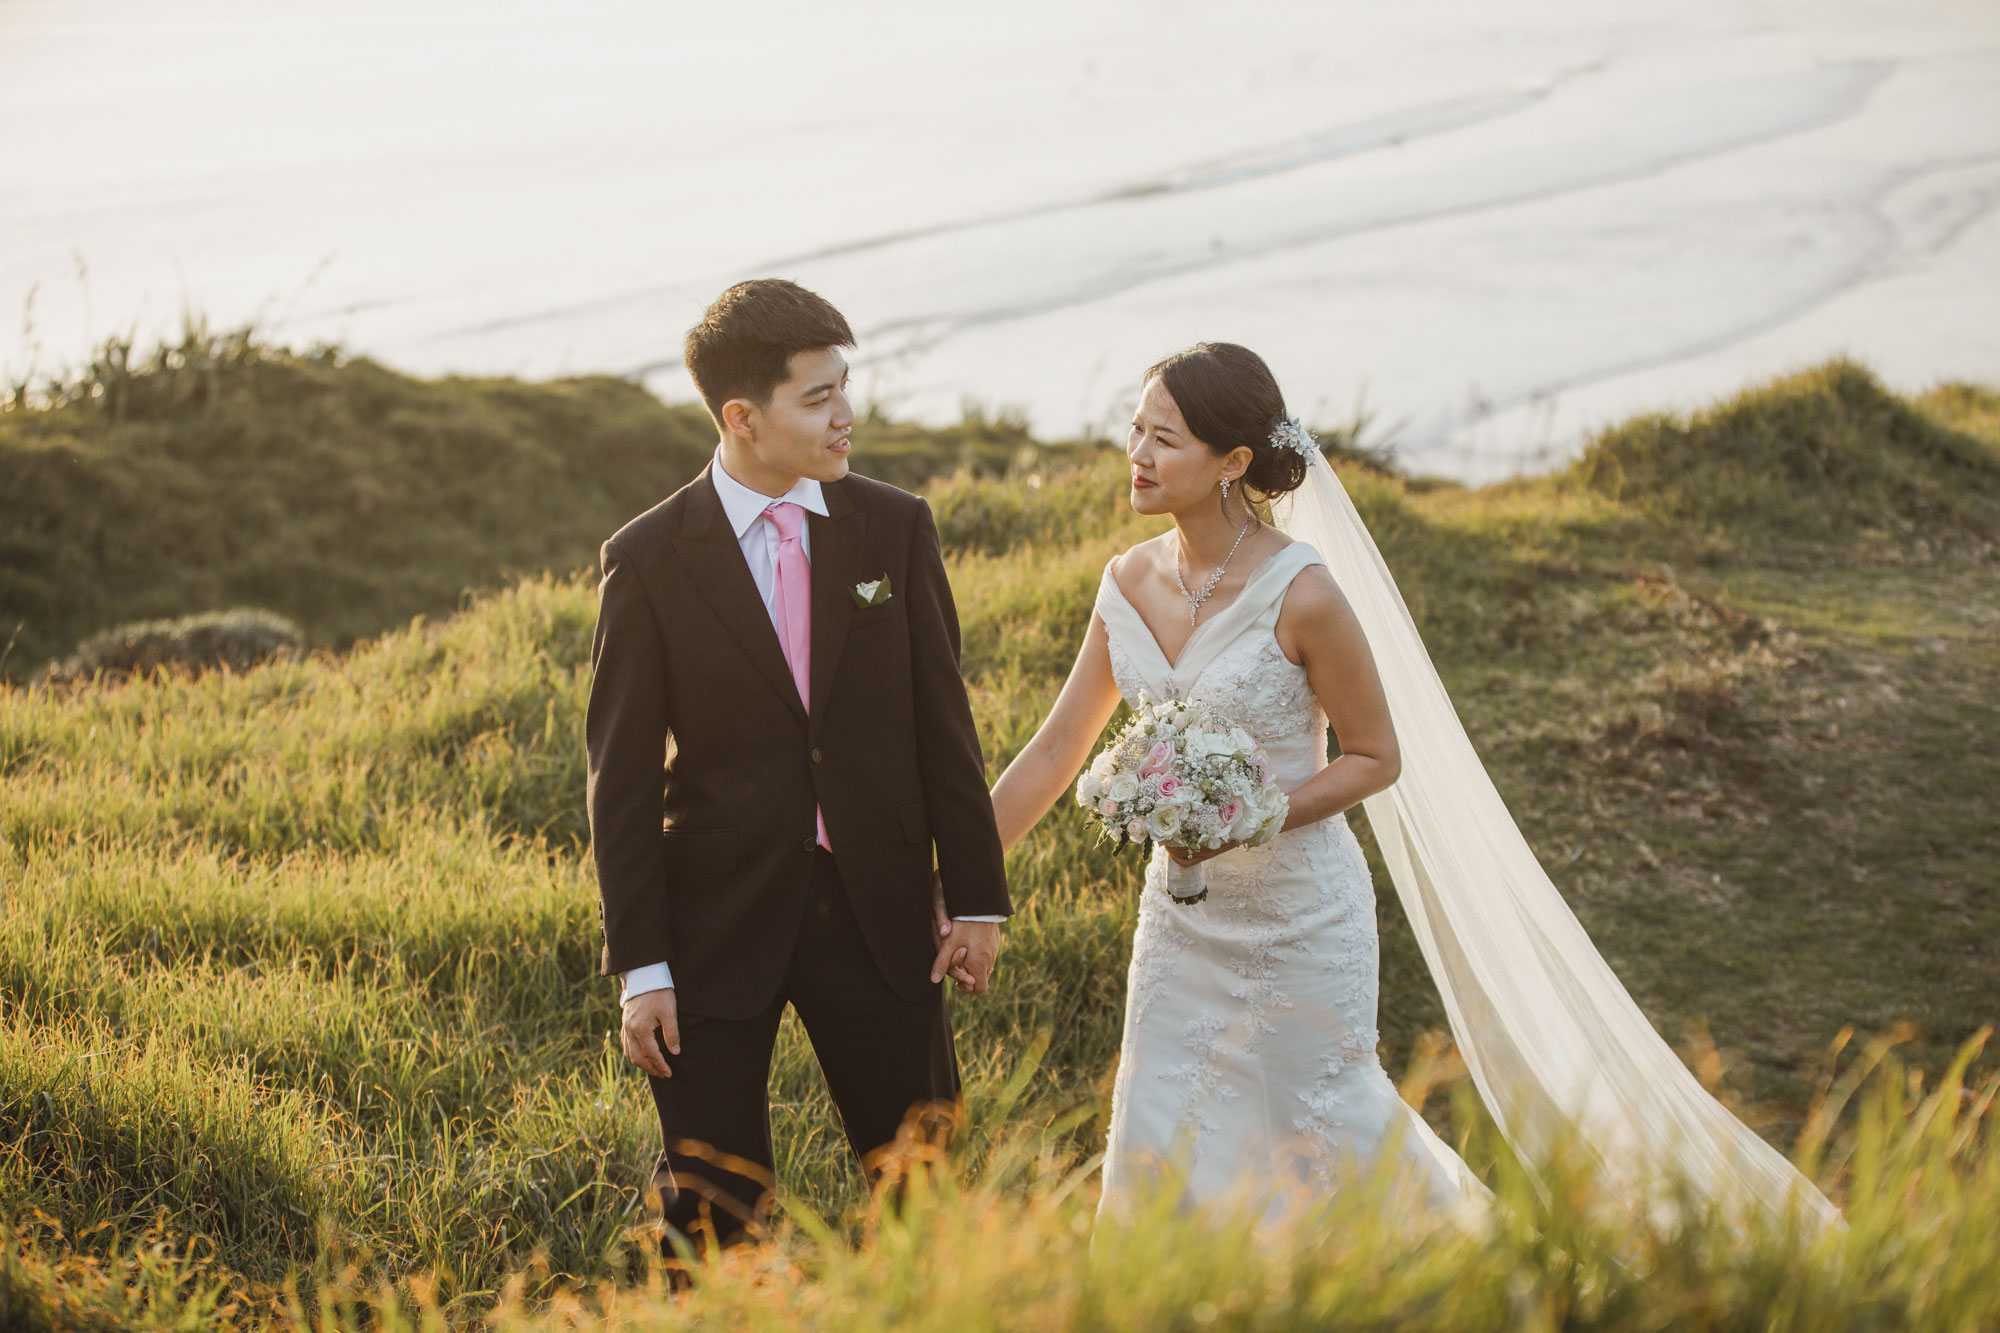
[(298, 964)]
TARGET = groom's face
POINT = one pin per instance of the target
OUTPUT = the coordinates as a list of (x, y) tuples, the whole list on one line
[(803, 431)]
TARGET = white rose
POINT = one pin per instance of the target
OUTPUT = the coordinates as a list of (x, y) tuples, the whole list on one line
[(1163, 821), (1122, 787), (1100, 767), (1088, 788), (1276, 805), (1249, 819)]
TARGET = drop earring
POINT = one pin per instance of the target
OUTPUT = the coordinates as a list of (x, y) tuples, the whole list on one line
[(1225, 490)]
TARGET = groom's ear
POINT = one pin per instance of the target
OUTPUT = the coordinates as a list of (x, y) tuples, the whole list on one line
[(738, 416)]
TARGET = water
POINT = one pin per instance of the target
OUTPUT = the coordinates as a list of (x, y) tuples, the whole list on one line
[(1492, 227)]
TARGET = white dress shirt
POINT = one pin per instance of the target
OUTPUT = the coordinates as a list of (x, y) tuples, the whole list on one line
[(744, 508)]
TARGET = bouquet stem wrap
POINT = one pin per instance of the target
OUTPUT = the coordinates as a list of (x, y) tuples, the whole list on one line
[(1186, 884)]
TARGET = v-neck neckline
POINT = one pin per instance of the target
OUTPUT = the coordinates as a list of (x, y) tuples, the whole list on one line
[(1159, 650)]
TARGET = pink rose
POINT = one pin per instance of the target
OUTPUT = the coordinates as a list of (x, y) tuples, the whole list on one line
[(1169, 784), (1136, 830), (1107, 807), (1158, 759), (1263, 770), (1228, 813)]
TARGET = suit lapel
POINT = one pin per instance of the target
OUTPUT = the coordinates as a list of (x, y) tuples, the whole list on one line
[(715, 561), (839, 545)]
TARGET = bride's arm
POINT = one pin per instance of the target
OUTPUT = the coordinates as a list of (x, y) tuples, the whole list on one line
[(1317, 629), (1047, 765)]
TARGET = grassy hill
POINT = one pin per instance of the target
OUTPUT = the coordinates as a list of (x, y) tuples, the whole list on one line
[(223, 471), (298, 963)]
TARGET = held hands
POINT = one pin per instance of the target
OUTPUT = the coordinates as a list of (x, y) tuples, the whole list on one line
[(966, 949), (649, 1018)]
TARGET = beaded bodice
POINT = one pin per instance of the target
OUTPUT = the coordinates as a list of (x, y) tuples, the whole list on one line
[(1232, 661)]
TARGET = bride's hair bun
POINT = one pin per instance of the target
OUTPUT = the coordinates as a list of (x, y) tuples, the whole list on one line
[(1230, 399)]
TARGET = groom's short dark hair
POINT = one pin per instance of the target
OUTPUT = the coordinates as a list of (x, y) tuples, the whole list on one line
[(747, 337)]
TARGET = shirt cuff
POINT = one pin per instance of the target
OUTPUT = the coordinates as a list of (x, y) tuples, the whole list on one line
[(653, 976), (979, 918)]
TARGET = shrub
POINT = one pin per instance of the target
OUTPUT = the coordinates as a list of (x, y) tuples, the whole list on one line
[(237, 639)]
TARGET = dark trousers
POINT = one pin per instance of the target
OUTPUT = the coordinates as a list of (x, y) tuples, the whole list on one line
[(883, 1058)]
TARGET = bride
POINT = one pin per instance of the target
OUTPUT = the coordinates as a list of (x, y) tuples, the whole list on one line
[(1249, 1050)]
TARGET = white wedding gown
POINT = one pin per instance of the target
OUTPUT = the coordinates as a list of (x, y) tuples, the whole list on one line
[(1249, 1054)]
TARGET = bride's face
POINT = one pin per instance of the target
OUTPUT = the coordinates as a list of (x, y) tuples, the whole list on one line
[(1171, 469)]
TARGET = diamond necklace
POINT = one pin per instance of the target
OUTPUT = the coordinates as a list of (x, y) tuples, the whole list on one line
[(1195, 599)]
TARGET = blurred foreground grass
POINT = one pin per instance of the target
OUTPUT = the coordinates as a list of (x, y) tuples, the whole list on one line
[(1003, 1238), (299, 963)]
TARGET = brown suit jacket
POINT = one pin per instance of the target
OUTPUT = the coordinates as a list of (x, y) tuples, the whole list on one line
[(705, 767)]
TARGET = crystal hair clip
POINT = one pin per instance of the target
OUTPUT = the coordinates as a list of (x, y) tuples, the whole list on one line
[(1291, 433)]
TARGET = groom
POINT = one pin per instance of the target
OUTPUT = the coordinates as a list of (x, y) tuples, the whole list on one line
[(779, 737)]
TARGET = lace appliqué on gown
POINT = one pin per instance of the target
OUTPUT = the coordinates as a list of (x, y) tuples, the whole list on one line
[(1257, 685)]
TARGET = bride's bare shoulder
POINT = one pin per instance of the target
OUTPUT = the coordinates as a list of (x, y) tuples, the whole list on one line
[(1312, 593), (1133, 565), (1315, 610)]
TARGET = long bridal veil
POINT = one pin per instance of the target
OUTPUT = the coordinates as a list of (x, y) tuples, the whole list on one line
[(1553, 1042)]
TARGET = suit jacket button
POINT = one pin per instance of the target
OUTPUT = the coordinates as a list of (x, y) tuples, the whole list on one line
[(815, 754), (812, 842)]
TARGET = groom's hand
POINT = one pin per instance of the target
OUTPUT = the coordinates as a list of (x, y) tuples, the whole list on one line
[(950, 950), (649, 1018), (978, 945)]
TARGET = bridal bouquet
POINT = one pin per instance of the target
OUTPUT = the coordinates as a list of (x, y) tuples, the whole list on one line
[(1184, 775)]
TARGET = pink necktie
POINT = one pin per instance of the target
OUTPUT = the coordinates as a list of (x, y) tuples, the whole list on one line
[(792, 609)]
